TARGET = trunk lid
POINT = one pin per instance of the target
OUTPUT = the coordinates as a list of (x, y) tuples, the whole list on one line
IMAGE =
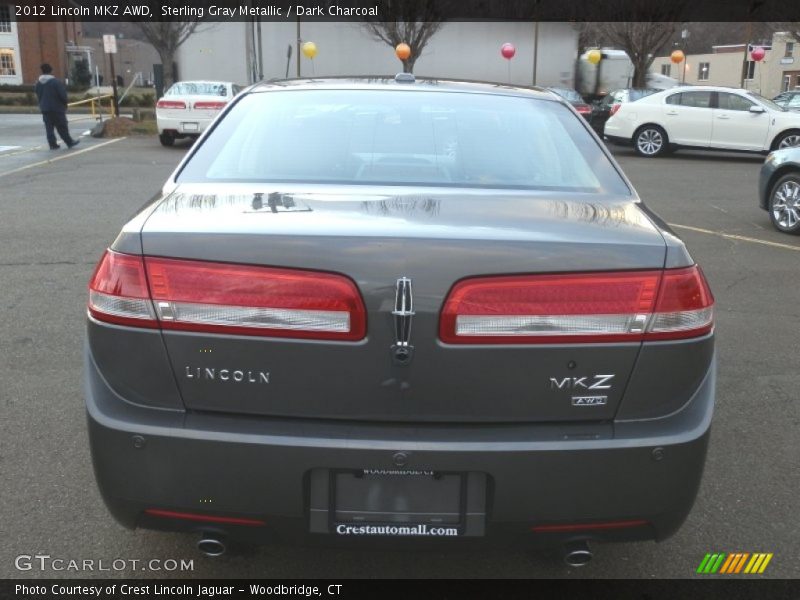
[(434, 237)]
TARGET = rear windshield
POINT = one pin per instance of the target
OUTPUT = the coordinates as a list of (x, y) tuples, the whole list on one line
[(637, 94), (377, 137), (197, 88), (570, 95)]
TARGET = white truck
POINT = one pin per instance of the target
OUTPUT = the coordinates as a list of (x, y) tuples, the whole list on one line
[(615, 71)]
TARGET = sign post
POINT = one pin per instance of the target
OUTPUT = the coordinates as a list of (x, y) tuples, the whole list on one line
[(110, 48)]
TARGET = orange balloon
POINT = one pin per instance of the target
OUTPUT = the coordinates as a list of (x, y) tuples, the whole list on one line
[(403, 51), (677, 56)]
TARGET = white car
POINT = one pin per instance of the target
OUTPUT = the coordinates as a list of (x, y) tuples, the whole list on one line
[(188, 107), (703, 117)]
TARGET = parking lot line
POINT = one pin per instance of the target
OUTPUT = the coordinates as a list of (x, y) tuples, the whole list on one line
[(70, 155), (18, 152), (740, 238)]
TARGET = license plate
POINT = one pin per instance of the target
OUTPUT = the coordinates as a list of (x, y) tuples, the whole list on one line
[(190, 126), (397, 503)]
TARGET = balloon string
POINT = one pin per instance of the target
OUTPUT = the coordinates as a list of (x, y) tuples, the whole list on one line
[(509, 71)]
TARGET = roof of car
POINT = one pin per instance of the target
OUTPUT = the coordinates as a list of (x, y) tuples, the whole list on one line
[(204, 81), (707, 88), (419, 84)]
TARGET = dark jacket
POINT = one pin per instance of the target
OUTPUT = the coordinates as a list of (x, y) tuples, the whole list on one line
[(52, 94)]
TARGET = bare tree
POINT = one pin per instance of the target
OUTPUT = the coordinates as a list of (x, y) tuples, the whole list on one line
[(166, 37), (701, 37), (790, 27), (641, 28), (641, 41), (413, 22)]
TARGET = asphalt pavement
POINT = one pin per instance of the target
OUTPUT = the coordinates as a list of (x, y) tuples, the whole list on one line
[(57, 217), (22, 139)]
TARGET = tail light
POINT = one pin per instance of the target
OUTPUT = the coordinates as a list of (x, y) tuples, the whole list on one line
[(223, 298), (614, 109), (179, 104), (205, 105), (584, 109), (118, 291), (578, 308)]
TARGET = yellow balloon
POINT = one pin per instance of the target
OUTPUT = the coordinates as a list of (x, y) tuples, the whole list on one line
[(594, 56), (309, 49)]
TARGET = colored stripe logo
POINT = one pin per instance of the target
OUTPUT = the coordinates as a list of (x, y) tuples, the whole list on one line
[(734, 563)]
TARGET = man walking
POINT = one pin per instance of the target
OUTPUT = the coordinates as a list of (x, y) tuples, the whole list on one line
[(52, 97)]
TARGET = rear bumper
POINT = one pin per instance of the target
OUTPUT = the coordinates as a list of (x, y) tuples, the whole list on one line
[(261, 469), (187, 125), (618, 140), (619, 131)]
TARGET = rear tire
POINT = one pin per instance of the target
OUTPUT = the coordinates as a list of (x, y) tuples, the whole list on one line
[(784, 204), (788, 139), (166, 139), (650, 141)]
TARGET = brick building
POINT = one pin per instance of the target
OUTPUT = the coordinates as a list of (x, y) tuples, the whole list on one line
[(24, 45)]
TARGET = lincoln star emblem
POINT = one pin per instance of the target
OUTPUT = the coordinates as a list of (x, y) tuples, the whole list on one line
[(403, 315)]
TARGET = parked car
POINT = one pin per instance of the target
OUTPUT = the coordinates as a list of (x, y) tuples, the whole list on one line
[(603, 109), (706, 118), (779, 189), (575, 99), (188, 107), (399, 308), (789, 100)]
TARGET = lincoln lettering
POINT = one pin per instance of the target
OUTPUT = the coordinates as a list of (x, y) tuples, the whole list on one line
[(234, 375)]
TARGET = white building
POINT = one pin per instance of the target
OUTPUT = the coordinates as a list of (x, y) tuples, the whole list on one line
[(730, 64), (460, 50)]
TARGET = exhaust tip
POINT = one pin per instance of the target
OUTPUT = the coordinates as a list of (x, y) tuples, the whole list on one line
[(211, 547), (577, 554)]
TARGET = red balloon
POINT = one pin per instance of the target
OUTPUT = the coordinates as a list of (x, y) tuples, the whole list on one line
[(508, 51), (758, 53)]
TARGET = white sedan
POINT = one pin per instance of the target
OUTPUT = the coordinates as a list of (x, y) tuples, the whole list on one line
[(188, 107), (703, 117)]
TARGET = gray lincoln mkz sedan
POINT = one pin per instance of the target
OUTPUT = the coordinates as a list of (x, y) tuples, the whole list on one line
[(399, 307)]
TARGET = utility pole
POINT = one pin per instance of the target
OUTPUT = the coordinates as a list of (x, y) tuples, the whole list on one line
[(114, 85), (299, 41), (260, 56), (110, 47), (535, 49), (746, 50), (685, 65)]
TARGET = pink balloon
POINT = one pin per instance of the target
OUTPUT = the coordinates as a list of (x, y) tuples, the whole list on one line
[(758, 53), (508, 51)]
